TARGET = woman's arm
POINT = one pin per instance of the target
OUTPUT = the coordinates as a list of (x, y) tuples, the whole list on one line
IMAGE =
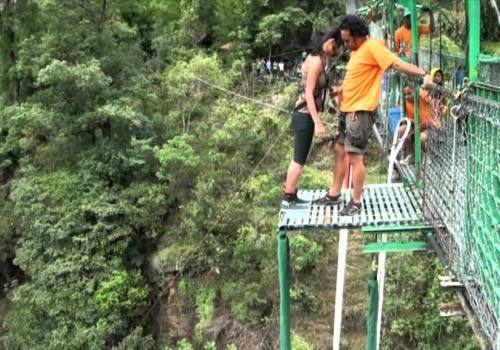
[(314, 70)]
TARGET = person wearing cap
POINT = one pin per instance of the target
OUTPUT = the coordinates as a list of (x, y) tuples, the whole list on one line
[(402, 36)]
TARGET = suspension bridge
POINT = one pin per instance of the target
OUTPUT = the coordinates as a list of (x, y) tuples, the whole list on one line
[(450, 199)]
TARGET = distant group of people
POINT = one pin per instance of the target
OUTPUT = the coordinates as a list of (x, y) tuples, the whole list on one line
[(360, 93), (278, 67)]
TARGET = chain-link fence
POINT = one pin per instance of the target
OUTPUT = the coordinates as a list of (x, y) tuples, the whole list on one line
[(462, 199)]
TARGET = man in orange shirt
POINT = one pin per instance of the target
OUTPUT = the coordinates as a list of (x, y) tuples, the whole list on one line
[(402, 36), (361, 94)]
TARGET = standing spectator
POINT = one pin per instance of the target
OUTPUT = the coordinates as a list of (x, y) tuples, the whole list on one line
[(275, 69), (402, 36), (257, 67), (296, 62), (269, 65), (281, 67), (459, 77)]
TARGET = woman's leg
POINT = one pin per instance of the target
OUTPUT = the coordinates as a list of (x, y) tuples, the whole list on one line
[(303, 127), (293, 176)]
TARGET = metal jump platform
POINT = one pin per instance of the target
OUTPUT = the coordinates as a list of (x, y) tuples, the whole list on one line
[(386, 207)]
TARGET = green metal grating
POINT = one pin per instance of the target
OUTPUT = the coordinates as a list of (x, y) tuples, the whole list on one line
[(386, 206)]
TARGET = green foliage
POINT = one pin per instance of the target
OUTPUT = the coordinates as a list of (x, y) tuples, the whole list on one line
[(448, 46), (273, 27), (303, 299), (205, 305), (247, 250), (299, 343), (490, 48), (266, 189), (177, 159), (210, 346), (7, 232), (246, 301), (304, 252), (68, 265), (184, 344), (23, 129), (137, 341), (120, 292), (413, 316)]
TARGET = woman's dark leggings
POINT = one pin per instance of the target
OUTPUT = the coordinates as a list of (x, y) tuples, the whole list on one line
[(303, 130)]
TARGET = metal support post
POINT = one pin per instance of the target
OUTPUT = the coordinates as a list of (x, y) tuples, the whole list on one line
[(414, 48), (473, 14), (284, 285)]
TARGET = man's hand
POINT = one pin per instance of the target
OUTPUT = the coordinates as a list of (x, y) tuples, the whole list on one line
[(427, 79)]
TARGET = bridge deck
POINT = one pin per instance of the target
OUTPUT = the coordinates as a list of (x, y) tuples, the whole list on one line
[(385, 207)]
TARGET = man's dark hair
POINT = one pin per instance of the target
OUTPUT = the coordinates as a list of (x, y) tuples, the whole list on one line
[(319, 38), (355, 25)]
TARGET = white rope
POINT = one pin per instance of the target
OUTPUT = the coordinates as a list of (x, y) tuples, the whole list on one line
[(397, 145), (339, 290), (243, 96)]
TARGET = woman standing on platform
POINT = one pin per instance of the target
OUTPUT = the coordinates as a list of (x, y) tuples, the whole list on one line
[(305, 118)]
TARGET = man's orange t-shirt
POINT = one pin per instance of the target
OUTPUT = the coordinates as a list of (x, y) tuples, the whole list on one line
[(362, 84), (403, 34), (426, 118)]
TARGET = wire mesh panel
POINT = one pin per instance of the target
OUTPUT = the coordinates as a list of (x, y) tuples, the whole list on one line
[(462, 200), (483, 204)]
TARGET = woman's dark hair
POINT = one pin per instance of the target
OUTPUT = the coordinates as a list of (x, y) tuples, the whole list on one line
[(355, 25), (319, 38)]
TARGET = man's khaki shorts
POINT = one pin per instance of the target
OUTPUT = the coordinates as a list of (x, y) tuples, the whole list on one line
[(354, 134)]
